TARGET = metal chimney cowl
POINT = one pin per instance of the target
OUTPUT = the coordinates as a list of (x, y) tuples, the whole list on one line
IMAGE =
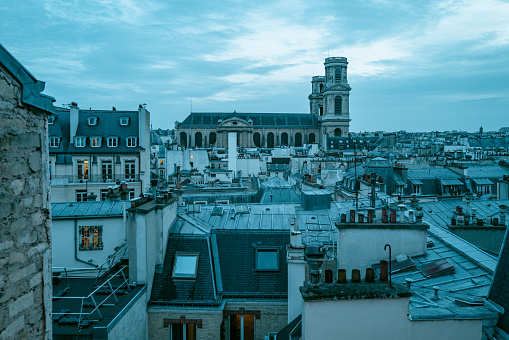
[(315, 255)]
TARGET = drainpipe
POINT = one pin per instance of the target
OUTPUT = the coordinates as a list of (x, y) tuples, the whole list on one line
[(124, 222), (76, 245)]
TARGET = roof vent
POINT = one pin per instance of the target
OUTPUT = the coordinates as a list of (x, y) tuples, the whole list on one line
[(314, 254), (217, 211)]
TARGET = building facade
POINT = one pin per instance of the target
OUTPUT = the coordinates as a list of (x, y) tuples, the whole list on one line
[(91, 150), (329, 116)]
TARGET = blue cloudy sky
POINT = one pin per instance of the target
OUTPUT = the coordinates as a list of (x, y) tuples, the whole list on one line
[(413, 65)]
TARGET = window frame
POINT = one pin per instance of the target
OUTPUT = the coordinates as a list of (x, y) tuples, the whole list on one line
[(54, 142), (124, 119), (90, 241), (92, 120), (93, 144), (51, 120), (266, 250), (110, 140), (82, 142), (131, 138), (183, 276)]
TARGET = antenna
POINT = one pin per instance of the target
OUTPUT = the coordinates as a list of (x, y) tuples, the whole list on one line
[(191, 103), (328, 52)]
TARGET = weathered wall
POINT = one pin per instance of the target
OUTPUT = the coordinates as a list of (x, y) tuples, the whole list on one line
[(379, 319), (211, 321), (133, 325), (25, 245)]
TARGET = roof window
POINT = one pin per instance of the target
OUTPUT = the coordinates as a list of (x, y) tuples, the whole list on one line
[(124, 121), (51, 120), (95, 142), (436, 268), (79, 142), (54, 142), (185, 266), (267, 259), (92, 121), (112, 142), (130, 142)]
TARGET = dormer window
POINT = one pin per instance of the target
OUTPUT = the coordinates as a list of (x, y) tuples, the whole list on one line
[(92, 121), (51, 120), (95, 142), (112, 142), (124, 121), (130, 142), (185, 265), (79, 142), (54, 142)]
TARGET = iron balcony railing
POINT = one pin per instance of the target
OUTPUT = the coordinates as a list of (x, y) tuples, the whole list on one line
[(98, 178)]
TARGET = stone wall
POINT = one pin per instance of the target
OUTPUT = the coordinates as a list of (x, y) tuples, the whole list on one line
[(132, 325), (25, 245)]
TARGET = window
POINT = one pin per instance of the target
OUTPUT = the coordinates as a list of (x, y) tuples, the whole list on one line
[(79, 142), (242, 327), (185, 266), (112, 142), (92, 121), (91, 237), (131, 194), (104, 194), (161, 162), (130, 170), (82, 170), (185, 331), (51, 120), (131, 142), (106, 171), (54, 142), (81, 195), (417, 189), (267, 259), (95, 142), (124, 121), (338, 105), (337, 75)]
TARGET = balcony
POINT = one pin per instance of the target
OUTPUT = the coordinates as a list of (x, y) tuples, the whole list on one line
[(91, 179)]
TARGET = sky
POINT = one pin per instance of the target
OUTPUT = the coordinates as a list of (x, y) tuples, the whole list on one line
[(413, 65)]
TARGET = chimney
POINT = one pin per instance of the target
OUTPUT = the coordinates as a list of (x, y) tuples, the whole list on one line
[(503, 214), (143, 126), (73, 120)]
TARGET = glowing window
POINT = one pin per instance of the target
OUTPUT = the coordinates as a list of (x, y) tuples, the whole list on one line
[(95, 142), (91, 237)]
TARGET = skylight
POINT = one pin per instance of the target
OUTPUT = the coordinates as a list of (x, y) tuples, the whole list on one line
[(185, 266), (267, 259)]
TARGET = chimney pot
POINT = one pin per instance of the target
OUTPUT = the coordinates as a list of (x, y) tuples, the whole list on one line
[(436, 289), (384, 272), (341, 275), (370, 275), (356, 276), (408, 282)]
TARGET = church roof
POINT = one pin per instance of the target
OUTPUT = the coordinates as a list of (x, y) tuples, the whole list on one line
[(211, 119)]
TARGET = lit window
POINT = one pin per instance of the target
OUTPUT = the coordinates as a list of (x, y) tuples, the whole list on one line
[(54, 142), (131, 142), (124, 121), (92, 120), (82, 170), (242, 326), (112, 142), (95, 142), (161, 162), (51, 120), (185, 266), (267, 259), (91, 237), (79, 142)]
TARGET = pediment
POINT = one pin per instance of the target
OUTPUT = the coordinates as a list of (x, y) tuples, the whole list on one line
[(234, 122)]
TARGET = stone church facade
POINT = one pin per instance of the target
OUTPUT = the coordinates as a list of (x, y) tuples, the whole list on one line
[(329, 116)]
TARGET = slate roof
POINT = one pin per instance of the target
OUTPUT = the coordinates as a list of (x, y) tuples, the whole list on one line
[(237, 262), (211, 119), (432, 174), (487, 171), (181, 291), (499, 291), (108, 125), (277, 190)]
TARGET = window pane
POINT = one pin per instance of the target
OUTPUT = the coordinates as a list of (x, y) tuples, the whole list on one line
[(177, 331), (185, 265), (248, 327), (190, 331), (267, 259)]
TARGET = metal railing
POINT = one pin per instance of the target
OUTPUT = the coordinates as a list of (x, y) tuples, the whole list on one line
[(97, 178)]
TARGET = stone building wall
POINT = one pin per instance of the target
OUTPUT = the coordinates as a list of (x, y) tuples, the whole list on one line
[(25, 245)]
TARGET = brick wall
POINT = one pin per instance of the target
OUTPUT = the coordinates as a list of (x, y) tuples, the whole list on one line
[(25, 245)]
